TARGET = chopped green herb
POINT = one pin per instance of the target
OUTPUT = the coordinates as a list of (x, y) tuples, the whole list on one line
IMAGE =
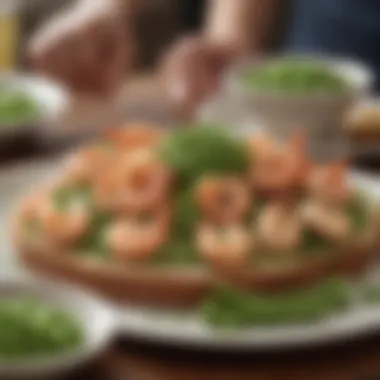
[(16, 107), (65, 196), (178, 252), (314, 243), (201, 150), (30, 328), (358, 211), (187, 215), (230, 307), (93, 241)]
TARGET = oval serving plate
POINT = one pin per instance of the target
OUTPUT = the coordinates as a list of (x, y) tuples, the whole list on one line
[(185, 328)]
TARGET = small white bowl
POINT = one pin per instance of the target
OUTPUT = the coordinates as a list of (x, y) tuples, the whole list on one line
[(52, 101), (97, 318), (283, 113)]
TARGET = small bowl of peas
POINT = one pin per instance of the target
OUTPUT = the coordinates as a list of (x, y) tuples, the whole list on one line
[(48, 329), (294, 92), (29, 105)]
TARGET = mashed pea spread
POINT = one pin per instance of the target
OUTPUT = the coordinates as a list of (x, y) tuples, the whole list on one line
[(16, 107), (295, 77), (30, 328)]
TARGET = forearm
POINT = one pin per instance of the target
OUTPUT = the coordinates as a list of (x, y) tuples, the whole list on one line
[(243, 23)]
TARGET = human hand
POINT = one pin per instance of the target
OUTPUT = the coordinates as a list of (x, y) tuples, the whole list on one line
[(88, 47), (191, 71)]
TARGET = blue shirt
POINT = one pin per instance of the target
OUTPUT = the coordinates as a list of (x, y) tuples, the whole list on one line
[(341, 27)]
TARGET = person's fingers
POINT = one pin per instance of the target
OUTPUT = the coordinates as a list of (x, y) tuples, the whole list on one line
[(177, 67), (103, 57), (115, 57), (46, 38), (84, 63), (118, 66), (86, 48), (55, 62), (53, 52), (79, 76), (191, 74)]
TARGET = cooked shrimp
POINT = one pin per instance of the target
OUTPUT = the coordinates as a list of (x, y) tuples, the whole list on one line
[(279, 228), (87, 163), (280, 167), (228, 246), (223, 199), (330, 222), (134, 239), (134, 136), (261, 142), (63, 226), (139, 183), (329, 184), (31, 204)]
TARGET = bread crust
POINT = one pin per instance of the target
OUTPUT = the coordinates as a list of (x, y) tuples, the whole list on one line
[(350, 261), (183, 286), (186, 286), (177, 287)]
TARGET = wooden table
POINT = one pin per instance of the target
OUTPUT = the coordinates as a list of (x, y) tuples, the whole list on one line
[(350, 360), (353, 360)]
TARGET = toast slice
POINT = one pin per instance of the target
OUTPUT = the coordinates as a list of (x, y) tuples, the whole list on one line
[(186, 286)]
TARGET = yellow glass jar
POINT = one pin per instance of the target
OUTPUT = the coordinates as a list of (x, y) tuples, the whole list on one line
[(9, 33)]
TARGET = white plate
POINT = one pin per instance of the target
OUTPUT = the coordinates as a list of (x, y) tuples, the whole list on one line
[(184, 328)]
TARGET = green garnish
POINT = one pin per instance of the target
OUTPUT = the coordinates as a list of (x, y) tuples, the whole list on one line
[(178, 252), (296, 77), (358, 211), (203, 150), (93, 244), (66, 195), (30, 328), (314, 243), (254, 213), (187, 215), (16, 107), (229, 307)]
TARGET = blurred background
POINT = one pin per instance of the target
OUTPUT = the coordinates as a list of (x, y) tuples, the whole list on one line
[(69, 116), (156, 26)]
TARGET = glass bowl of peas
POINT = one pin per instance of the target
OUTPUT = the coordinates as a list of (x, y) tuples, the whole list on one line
[(47, 329), (29, 106), (292, 93)]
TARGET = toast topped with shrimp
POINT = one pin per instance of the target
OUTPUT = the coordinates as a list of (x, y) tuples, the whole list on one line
[(163, 218)]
